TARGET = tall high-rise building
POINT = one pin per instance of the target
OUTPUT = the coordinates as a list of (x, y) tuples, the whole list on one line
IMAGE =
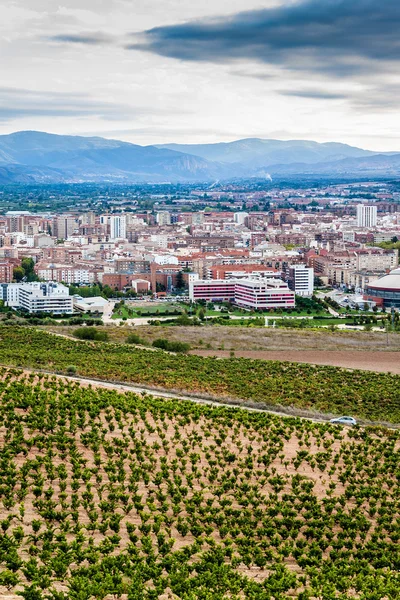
[(366, 215), (163, 217), (117, 227), (64, 227)]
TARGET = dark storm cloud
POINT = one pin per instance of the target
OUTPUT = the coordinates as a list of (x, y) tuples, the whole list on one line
[(16, 102), (89, 39), (339, 37)]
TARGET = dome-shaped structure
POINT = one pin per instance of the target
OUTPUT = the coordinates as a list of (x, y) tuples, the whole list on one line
[(386, 290)]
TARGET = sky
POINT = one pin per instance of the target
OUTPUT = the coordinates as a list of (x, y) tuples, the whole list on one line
[(204, 71)]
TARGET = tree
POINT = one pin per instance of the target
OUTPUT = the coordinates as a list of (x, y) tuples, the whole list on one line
[(318, 281), (18, 273), (28, 266), (180, 282)]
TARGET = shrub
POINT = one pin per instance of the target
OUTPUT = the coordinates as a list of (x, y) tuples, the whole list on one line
[(71, 370), (91, 333), (171, 346), (134, 338)]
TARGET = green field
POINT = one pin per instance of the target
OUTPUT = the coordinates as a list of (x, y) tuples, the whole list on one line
[(373, 396)]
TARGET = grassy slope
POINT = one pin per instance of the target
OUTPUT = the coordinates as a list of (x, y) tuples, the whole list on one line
[(325, 389)]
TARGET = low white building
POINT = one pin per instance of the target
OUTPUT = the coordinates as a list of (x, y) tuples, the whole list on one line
[(38, 297), (97, 304), (263, 294)]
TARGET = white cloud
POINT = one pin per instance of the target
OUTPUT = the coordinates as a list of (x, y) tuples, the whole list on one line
[(145, 98)]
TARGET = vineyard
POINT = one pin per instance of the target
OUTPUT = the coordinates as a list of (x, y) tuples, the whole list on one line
[(108, 495), (372, 396)]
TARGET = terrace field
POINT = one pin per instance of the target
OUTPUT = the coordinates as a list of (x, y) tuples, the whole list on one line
[(105, 495)]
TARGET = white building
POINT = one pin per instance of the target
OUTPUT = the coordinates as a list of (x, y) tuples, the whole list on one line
[(67, 274), (212, 290), (38, 297), (301, 280), (117, 227), (366, 215), (95, 304), (263, 294), (239, 217)]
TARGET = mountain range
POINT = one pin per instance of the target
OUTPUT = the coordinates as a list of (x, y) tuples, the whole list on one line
[(38, 157)]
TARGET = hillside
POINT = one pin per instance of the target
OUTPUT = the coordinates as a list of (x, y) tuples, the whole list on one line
[(108, 495), (369, 166), (96, 159)]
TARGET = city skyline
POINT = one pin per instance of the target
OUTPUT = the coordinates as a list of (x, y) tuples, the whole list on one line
[(164, 72)]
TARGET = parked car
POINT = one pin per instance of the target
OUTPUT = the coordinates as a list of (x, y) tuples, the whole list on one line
[(344, 421)]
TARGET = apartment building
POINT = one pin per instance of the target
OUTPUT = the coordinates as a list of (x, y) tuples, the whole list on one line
[(376, 259), (241, 271), (117, 227), (38, 297), (366, 215), (64, 227), (66, 273), (6, 272), (163, 217), (300, 279)]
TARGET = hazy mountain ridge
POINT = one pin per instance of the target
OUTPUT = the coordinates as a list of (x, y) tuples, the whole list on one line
[(256, 152), (98, 159), (38, 157), (376, 164)]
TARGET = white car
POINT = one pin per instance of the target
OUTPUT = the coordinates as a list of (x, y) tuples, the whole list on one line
[(344, 421)]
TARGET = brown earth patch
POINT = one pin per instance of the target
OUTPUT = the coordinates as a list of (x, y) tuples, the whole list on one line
[(385, 362)]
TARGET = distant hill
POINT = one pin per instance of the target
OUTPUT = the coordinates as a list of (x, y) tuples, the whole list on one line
[(254, 152), (96, 159), (31, 156), (386, 165)]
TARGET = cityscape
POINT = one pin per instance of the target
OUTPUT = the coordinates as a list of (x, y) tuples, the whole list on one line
[(268, 248)]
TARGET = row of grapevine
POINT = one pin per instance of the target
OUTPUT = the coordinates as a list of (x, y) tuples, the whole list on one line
[(104, 494), (374, 396)]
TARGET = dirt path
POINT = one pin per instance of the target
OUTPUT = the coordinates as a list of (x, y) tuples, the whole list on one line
[(247, 405), (385, 362)]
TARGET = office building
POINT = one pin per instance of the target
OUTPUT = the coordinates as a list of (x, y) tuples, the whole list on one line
[(38, 297), (247, 293)]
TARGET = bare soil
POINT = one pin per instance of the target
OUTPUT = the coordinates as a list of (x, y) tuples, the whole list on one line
[(385, 362)]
